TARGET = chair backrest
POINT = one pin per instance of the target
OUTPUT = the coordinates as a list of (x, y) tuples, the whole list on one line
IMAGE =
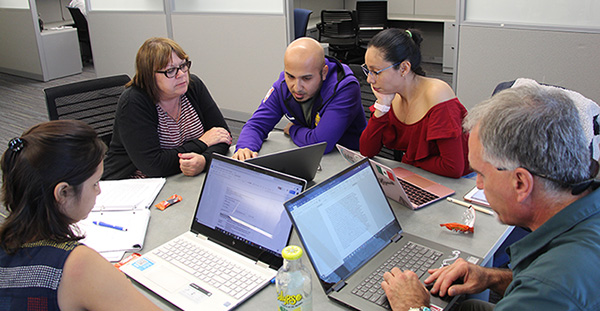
[(372, 13), (78, 18), (338, 27), (301, 17), (92, 101)]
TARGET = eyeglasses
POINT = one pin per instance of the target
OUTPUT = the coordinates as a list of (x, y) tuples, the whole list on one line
[(173, 71), (366, 70)]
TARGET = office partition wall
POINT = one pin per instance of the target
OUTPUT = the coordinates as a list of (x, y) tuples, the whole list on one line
[(552, 41), (236, 46), (30, 52)]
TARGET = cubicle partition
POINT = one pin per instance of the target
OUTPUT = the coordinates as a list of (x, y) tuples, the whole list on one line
[(29, 52), (551, 41), (236, 46)]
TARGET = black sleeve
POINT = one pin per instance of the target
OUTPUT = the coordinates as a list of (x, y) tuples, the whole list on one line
[(209, 114)]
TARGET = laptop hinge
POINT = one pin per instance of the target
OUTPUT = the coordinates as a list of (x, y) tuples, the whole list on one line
[(397, 237), (203, 237), (339, 285), (262, 264)]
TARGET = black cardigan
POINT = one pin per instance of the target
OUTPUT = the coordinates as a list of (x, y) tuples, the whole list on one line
[(135, 144)]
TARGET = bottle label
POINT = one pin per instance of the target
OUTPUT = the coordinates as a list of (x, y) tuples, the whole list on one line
[(289, 302)]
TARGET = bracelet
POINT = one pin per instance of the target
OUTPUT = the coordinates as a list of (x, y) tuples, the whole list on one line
[(382, 108)]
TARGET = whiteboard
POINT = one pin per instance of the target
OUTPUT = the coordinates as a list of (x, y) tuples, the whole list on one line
[(229, 6), (567, 13)]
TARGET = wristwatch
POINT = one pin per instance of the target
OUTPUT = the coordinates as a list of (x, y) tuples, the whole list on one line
[(422, 308)]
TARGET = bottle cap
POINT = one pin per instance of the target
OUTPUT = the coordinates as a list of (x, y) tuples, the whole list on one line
[(291, 252)]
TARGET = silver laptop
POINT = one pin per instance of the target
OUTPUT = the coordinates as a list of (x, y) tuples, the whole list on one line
[(302, 162), (233, 248), (350, 234), (402, 185)]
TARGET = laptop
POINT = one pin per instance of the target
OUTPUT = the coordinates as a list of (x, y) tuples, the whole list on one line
[(349, 232), (302, 162), (240, 219), (401, 185)]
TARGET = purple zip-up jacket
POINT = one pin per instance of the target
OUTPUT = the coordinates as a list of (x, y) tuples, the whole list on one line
[(337, 113)]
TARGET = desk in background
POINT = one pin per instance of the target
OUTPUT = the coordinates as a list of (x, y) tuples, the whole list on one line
[(489, 233)]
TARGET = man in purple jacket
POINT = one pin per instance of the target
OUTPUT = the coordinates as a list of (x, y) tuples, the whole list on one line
[(317, 94)]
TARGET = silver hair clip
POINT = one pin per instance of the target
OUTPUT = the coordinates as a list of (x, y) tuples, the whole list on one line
[(16, 144)]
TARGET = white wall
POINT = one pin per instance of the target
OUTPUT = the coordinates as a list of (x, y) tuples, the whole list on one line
[(490, 55), (236, 61)]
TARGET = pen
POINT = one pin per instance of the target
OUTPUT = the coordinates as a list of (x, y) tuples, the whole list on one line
[(465, 204), (103, 224)]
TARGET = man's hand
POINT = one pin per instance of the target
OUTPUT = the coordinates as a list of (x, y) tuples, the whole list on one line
[(474, 279), (286, 129), (404, 290), (244, 153), (191, 164), (216, 135)]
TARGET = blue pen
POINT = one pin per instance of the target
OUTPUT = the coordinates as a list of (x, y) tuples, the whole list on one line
[(103, 224)]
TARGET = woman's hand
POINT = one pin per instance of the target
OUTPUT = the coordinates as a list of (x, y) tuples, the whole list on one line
[(191, 164), (383, 99), (216, 135)]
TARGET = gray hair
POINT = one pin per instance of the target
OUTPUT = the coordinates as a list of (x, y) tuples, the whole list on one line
[(533, 127)]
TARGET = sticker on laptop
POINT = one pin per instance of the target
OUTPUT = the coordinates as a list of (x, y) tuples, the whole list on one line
[(142, 264)]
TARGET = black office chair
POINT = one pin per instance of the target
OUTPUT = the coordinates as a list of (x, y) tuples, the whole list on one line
[(339, 28), (85, 45), (92, 101), (372, 18), (301, 17)]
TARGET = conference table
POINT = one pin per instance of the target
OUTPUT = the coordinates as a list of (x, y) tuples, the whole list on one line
[(487, 237)]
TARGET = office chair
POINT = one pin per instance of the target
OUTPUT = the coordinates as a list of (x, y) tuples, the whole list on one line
[(372, 18), (301, 17), (93, 101), (339, 28), (85, 46)]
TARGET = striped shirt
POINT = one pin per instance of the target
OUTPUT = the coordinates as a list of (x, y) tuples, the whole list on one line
[(174, 133)]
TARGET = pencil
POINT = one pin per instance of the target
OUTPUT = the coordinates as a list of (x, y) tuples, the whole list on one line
[(465, 204)]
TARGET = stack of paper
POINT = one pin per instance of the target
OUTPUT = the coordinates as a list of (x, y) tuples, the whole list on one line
[(119, 220)]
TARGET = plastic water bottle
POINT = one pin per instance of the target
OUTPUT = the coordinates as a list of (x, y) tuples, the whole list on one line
[(293, 282)]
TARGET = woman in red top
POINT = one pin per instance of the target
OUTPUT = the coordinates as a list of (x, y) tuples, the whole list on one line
[(420, 116)]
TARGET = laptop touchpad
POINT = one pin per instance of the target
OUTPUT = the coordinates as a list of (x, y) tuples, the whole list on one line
[(167, 278)]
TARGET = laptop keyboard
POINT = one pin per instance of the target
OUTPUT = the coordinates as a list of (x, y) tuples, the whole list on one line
[(412, 256), (210, 268), (417, 195)]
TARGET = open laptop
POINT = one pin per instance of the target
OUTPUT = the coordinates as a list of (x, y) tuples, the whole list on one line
[(401, 185), (240, 219), (349, 232), (301, 162)]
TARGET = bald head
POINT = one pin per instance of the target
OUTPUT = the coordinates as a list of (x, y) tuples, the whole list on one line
[(305, 52), (305, 68)]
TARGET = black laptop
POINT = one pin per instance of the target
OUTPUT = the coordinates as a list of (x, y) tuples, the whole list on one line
[(350, 233), (302, 162)]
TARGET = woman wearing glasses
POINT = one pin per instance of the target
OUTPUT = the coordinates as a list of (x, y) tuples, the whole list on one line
[(166, 120), (417, 115)]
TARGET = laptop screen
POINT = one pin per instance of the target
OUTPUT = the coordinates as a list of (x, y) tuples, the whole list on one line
[(343, 222), (244, 202)]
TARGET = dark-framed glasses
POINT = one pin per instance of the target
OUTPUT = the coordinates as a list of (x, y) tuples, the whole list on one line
[(173, 71), (366, 70)]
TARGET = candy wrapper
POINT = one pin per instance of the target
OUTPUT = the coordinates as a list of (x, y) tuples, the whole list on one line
[(468, 222)]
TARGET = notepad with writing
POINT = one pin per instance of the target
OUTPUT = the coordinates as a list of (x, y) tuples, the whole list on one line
[(128, 194)]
